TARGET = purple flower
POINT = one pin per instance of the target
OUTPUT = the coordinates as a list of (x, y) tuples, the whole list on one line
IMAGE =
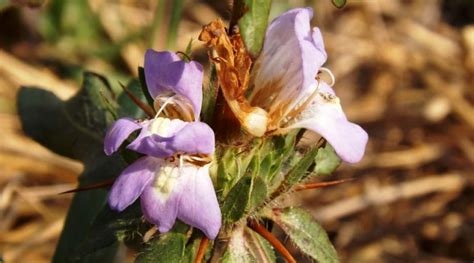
[(174, 81), (286, 87), (169, 190), (172, 179)]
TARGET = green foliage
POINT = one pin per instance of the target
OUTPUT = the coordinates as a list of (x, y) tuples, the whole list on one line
[(306, 234), (339, 3), (75, 129), (237, 200), (253, 24), (300, 169), (169, 248), (326, 161)]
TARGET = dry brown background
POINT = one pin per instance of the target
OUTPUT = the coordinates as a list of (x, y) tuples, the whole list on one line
[(404, 71)]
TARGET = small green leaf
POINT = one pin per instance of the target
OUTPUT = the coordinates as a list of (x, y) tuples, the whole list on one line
[(326, 160), (237, 200), (259, 192), (209, 96), (300, 170), (339, 3), (253, 24), (306, 234), (169, 248)]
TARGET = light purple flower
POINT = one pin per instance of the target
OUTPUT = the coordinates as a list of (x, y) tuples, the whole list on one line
[(171, 79), (286, 87), (169, 190), (172, 179)]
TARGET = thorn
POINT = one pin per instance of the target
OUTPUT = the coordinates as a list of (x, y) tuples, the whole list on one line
[(261, 230), (147, 109), (90, 187), (202, 250), (321, 184)]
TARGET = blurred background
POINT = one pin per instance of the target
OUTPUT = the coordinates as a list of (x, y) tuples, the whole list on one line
[(404, 71)]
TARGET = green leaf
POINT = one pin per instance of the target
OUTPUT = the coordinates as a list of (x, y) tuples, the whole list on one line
[(141, 77), (339, 3), (110, 227), (259, 192), (300, 170), (209, 97), (253, 24), (326, 160), (237, 200), (127, 108), (75, 128), (169, 248), (306, 234)]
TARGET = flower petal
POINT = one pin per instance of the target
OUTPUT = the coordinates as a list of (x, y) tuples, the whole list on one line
[(325, 116), (198, 204), (146, 142), (286, 69), (166, 74), (130, 184), (160, 200), (194, 138), (118, 133), (180, 137)]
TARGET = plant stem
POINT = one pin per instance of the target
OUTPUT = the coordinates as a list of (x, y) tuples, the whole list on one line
[(261, 230), (202, 250)]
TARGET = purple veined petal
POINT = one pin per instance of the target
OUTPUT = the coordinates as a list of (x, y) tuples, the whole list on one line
[(118, 133), (166, 73), (194, 138), (198, 204), (131, 183), (291, 57), (146, 142), (325, 116), (160, 199)]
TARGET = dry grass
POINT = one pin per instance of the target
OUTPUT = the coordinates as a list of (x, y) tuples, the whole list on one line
[(402, 72)]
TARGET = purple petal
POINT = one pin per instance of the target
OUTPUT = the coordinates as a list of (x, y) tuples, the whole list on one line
[(292, 55), (160, 200), (146, 142), (166, 73), (178, 137), (194, 138), (130, 184), (325, 116), (198, 204), (118, 133)]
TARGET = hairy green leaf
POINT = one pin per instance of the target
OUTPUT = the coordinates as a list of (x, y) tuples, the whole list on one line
[(127, 107), (306, 234), (300, 169), (253, 24), (75, 128), (237, 200), (169, 248)]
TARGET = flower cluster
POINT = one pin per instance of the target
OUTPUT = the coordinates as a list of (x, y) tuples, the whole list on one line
[(172, 178), (278, 92)]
